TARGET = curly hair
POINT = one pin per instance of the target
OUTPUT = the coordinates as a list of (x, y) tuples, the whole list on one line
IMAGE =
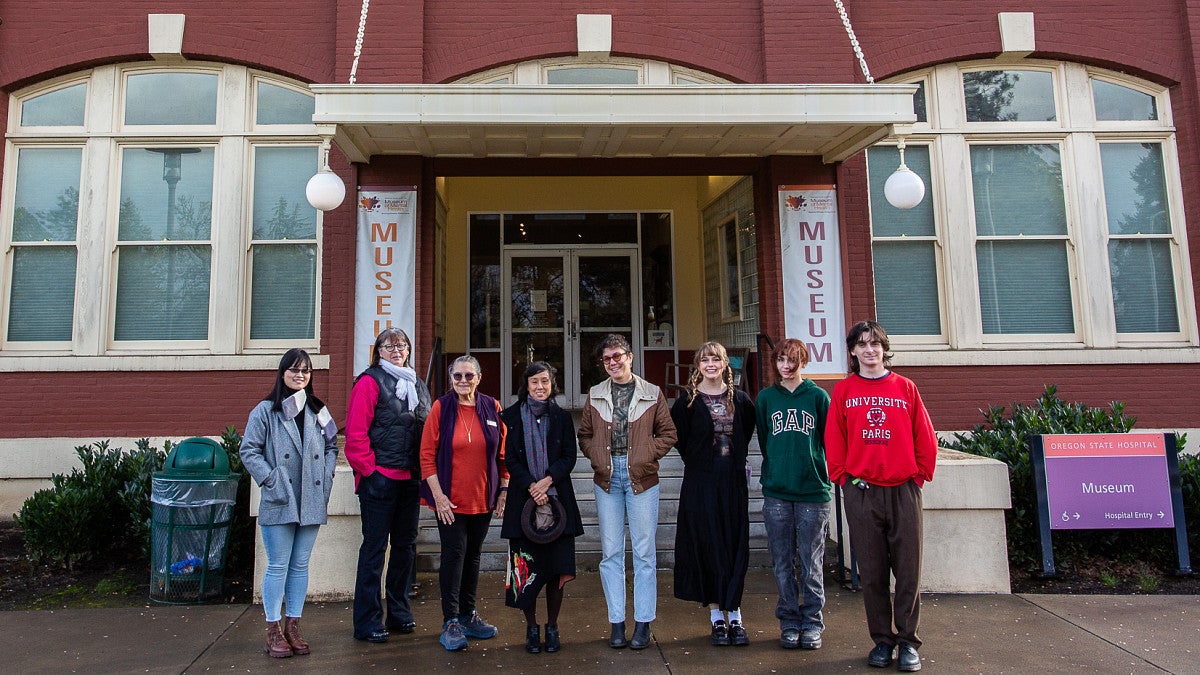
[(716, 349)]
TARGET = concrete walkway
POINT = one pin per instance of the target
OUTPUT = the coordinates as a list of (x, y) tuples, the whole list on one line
[(962, 634)]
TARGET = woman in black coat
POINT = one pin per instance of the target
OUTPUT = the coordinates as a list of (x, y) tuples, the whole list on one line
[(715, 423), (541, 519)]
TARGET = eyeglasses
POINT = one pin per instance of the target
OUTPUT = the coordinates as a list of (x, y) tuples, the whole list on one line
[(459, 377), (613, 358), (395, 347), (300, 371)]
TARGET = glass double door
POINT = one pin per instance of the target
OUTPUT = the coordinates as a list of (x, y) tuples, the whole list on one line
[(561, 303)]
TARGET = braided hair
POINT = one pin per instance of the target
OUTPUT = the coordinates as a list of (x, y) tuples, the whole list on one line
[(716, 349)]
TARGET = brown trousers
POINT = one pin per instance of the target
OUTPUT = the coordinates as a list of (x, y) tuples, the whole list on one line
[(885, 536)]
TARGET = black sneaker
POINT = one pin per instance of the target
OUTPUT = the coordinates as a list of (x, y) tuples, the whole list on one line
[(720, 635)]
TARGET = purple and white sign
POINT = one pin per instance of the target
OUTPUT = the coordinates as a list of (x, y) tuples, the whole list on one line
[(1107, 481)]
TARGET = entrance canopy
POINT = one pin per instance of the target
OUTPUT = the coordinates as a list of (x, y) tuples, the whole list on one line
[(728, 120)]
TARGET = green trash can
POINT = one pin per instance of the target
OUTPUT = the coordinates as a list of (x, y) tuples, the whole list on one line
[(191, 509)]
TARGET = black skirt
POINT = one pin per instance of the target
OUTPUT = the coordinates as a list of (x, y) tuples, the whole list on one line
[(531, 566)]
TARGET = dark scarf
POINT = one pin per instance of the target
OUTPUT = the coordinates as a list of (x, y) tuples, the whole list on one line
[(485, 407), (533, 411)]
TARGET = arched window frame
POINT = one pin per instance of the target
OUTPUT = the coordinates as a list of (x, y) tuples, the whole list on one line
[(234, 138), (536, 71)]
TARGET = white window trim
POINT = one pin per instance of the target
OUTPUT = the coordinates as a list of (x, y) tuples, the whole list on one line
[(102, 138), (1079, 136), (246, 278), (939, 248)]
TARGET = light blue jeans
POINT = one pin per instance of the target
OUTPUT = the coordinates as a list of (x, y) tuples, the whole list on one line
[(613, 509), (288, 550)]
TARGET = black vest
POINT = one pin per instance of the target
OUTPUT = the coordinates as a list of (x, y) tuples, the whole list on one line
[(395, 431)]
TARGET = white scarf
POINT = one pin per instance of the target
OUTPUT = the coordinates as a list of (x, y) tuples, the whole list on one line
[(406, 379), (293, 404)]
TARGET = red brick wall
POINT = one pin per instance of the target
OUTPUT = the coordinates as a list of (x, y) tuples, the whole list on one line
[(103, 405), (1159, 396), (293, 37), (719, 36)]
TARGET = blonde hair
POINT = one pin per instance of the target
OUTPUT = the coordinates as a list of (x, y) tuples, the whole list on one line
[(716, 349)]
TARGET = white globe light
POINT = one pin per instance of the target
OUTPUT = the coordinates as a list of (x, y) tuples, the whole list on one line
[(325, 191), (904, 189)]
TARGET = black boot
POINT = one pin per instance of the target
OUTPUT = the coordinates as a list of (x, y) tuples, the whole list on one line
[(641, 635), (552, 642), (617, 641), (533, 639)]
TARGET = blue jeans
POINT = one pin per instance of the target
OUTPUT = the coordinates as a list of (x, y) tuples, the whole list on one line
[(288, 550), (613, 509), (797, 530)]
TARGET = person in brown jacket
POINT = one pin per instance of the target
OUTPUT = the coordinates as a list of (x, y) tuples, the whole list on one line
[(626, 429)]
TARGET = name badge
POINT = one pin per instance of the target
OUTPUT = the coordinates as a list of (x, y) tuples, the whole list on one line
[(491, 423)]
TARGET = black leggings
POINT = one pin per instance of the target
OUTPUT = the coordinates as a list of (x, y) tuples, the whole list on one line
[(462, 542)]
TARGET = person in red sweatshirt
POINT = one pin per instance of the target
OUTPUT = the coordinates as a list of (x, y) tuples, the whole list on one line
[(881, 448)]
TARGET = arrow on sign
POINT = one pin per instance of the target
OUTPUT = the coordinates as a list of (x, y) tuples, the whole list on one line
[(1076, 516), (1161, 514)]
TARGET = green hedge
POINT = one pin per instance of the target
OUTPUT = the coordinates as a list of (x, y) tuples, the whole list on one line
[(100, 513), (1005, 437)]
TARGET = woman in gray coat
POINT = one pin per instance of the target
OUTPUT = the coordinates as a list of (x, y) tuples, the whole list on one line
[(289, 449)]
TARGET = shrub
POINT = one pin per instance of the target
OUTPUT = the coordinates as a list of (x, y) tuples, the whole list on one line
[(1005, 437), (240, 552), (94, 512), (101, 512)]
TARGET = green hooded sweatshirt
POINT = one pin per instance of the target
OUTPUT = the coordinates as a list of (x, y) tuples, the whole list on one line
[(791, 432)]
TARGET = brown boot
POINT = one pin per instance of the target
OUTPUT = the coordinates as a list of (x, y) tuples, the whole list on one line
[(277, 645), (291, 632)]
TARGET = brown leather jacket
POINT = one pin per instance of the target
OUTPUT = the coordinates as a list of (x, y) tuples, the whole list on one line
[(651, 433)]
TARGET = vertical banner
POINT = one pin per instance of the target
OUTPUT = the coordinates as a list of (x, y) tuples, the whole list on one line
[(385, 277), (813, 308)]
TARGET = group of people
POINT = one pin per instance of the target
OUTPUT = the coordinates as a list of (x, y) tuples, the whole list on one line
[(469, 460)]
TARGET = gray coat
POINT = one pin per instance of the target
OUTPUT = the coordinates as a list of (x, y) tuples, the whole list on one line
[(296, 482)]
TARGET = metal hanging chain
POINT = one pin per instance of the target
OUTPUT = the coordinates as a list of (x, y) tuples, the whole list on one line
[(362, 28), (862, 60)]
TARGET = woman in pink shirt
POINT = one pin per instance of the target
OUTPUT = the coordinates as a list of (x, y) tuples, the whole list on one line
[(384, 420)]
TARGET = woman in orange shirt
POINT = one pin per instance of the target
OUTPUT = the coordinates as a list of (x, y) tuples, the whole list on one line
[(462, 461)]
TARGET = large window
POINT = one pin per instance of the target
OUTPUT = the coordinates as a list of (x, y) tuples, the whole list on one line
[(1052, 218), (195, 235)]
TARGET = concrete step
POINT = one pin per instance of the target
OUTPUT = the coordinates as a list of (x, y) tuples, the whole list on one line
[(587, 546)]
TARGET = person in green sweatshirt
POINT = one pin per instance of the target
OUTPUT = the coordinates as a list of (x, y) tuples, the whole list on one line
[(790, 416)]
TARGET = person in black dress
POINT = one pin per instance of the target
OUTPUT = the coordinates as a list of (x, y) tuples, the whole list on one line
[(715, 422), (542, 519)]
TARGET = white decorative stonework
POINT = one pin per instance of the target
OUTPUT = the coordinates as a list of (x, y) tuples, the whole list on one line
[(1016, 34), (594, 34), (166, 36)]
